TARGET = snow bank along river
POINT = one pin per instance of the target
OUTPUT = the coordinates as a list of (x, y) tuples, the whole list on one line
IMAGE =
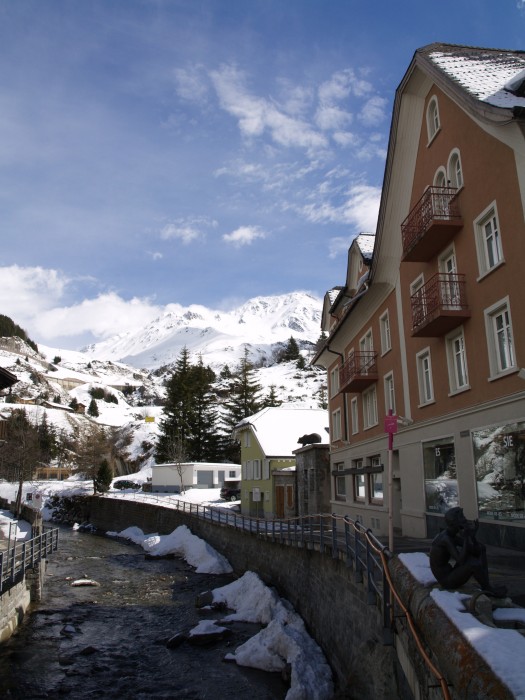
[(110, 640)]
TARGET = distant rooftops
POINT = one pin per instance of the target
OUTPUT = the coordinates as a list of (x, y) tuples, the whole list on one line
[(494, 76)]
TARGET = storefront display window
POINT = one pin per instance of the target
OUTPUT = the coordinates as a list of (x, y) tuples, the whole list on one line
[(499, 463), (441, 486)]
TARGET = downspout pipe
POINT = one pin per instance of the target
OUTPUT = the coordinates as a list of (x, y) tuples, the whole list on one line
[(334, 352)]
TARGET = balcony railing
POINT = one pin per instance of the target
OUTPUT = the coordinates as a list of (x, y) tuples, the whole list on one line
[(359, 371), (431, 224), (439, 306)]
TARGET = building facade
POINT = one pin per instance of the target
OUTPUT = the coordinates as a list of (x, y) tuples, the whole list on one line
[(434, 334)]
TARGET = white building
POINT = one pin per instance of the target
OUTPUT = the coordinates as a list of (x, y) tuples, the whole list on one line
[(166, 478)]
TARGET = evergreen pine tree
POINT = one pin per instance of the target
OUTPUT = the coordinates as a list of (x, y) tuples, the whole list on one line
[(93, 409), (47, 439), (244, 400), (103, 478), (291, 351), (271, 400)]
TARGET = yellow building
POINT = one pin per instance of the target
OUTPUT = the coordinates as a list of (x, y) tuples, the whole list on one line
[(268, 440)]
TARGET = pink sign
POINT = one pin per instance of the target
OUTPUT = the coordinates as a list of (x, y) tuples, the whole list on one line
[(390, 424)]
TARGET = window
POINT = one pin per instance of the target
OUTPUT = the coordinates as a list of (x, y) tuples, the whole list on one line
[(232, 474), (455, 173), (390, 398), (266, 469), (355, 415), (375, 481), (457, 362), (366, 346), (370, 408), (433, 124), (439, 464), (498, 466), (247, 438), (488, 240), (359, 481), (340, 482), (424, 377), (449, 287), (256, 468), (334, 382), (384, 326), (440, 178), (336, 425), (249, 469), (500, 338)]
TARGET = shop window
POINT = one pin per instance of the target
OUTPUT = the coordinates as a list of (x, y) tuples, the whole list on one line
[(441, 486), (359, 481), (499, 466), (340, 482)]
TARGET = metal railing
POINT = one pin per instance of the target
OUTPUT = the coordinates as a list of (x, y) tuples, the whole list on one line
[(15, 561), (359, 370), (436, 204), (331, 534), (444, 292)]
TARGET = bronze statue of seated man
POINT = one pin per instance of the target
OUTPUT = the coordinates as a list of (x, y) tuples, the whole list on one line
[(458, 544)]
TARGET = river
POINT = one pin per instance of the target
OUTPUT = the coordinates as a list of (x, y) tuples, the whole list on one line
[(109, 641)]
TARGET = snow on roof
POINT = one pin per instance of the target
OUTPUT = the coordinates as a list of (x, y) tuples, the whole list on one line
[(366, 241), (489, 75), (278, 428)]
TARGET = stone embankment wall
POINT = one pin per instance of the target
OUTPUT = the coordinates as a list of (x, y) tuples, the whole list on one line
[(334, 607)]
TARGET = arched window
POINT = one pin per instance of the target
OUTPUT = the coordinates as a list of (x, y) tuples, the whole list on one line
[(433, 124), (455, 173), (440, 178)]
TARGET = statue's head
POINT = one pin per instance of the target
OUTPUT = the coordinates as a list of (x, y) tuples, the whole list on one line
[(454, 517)]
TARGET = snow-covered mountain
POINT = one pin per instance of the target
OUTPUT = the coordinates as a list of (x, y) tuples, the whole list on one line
[(219, 337)]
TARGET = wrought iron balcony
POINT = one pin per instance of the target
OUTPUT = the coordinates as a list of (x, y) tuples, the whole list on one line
[(359, 371), (439, 306), (431, 224)]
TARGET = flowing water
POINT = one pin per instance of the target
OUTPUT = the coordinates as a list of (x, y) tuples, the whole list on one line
[(109, 641)]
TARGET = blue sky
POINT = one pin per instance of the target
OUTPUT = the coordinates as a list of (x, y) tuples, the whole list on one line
[(161, 152)]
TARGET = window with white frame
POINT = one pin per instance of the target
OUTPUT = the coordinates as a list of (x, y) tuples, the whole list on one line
[(336, 425), (498, 325), (390, 397), (455, 172), (457, 361), (424, 377), (354, 411), (433, 124), (440, 178), (370, 407), (359, 481), (384, 327), (488, 240), (375, 481), (340, 482), (334, 382)]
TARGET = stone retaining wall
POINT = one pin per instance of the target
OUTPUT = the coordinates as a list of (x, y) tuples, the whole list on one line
[(324, 592)]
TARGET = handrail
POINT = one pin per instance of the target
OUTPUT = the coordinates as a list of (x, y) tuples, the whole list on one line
[(23, 555), (363, 552)]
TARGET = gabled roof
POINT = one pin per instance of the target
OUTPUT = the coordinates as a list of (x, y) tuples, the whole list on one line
[(365, 243), (494, 77), (278, 429)]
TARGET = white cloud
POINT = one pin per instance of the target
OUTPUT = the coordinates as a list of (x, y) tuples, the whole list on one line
[(190, 83), (341, 85), (32, 298), (257, 115), (244, 235), (338, 245), (359, 209), (186, 230), (373, 112), (104, 316), (345, 138), (332, 117)]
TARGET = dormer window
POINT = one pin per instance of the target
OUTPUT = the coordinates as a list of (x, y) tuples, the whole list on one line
[(455, 173), (433, 124)]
